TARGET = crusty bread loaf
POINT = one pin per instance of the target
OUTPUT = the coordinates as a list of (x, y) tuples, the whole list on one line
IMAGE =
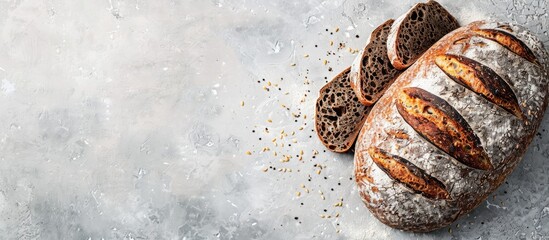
[(417, 30), (453, 126), (339, 115), (372, 72)]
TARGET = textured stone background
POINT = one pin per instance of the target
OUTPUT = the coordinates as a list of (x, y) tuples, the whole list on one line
[(122, 119)]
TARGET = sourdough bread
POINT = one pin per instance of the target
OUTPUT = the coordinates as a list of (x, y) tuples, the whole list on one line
[(372, 72), (339, 115), (417, 30), (451, 128)]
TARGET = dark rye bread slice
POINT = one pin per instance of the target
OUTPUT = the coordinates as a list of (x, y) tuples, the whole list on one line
[(415, 31), (339, 115), (372, 72)]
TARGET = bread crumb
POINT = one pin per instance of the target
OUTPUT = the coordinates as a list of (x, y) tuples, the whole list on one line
[(298, 194), (306, 55), (248, 153), (242, 103), (269, 120), (265, 169)]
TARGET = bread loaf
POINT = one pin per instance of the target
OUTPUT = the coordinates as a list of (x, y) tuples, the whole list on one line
[(453, 126)]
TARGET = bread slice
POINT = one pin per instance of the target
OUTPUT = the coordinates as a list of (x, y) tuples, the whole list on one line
[(372, 72), (339, 115), (415, 31)]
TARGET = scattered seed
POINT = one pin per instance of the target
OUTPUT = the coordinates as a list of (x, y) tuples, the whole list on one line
[(248, 153), (242, 103)]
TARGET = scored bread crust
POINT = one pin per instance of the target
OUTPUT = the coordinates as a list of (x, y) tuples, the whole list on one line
[(338, 114), (371, 71), (444, 21), (502, 135)]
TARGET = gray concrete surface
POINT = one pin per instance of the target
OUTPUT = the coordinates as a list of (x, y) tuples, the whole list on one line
[(122, 119)]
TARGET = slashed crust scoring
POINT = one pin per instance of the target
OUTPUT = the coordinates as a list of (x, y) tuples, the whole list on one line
[(504, 136)]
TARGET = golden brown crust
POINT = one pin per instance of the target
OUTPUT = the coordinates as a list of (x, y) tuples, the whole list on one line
[(480, 79), (508, 41), (504, 138), (404, 172), (438, 122)]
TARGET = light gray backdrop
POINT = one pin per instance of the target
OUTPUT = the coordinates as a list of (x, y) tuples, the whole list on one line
[(122, 119)]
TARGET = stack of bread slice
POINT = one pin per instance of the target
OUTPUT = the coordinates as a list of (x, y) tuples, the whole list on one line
[(344, 102)]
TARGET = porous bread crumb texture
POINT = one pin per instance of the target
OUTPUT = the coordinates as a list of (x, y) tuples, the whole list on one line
[(481, 80), (440, 124), (375, 72), (339, 114), (408, 174), (503, 136), (422, 27)]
